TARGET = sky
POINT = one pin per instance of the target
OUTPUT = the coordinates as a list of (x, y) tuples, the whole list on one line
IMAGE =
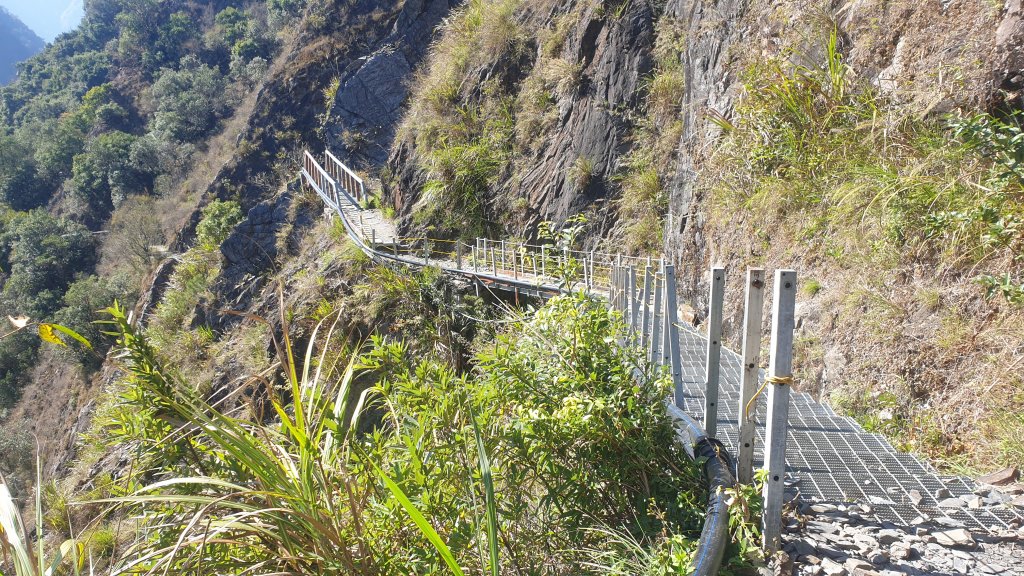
[(47, 18)]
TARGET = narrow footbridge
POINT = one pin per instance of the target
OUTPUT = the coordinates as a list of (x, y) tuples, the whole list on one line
[(828, 458)]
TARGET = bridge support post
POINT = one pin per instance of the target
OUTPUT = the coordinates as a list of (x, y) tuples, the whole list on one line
[(780, 378), (675, 362), (373, 238), (714, 351), (394, 246), (494, 263), (753, 303)]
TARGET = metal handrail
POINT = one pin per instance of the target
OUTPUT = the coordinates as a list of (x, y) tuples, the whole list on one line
[(623, 295)]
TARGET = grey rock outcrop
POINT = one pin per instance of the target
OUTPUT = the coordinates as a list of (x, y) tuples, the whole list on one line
[(367, 107)]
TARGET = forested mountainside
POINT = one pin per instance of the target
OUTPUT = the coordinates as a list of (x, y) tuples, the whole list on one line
[(150, 158), (17, 42)]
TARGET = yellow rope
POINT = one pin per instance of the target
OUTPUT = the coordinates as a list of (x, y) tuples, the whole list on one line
[(786, 380)]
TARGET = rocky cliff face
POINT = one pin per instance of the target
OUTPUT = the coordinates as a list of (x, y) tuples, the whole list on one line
[(368, 105), (587, 67)]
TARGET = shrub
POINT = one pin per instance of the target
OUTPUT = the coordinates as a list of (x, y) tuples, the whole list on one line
[(219, 218)]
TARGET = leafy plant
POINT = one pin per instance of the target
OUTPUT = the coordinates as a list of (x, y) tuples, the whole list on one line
[(1004, 286), (219, 218), (1000, 139)]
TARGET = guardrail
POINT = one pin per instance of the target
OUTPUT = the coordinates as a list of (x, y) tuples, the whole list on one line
[(648, 306)]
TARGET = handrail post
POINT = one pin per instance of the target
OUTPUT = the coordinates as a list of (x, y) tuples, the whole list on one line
[(426, 251), (494, 262), (714, 351), (753, 304), (780, 367), (458, 254), (645, 318), (672, 334), (543, 258), (515, 269), (590, 285), (654, 354), (504, 263), (634, 305), (394, 246), (373, 238)]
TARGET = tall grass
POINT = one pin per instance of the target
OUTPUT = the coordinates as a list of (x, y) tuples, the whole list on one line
[(26, 557), (813, 139), (282, 498)]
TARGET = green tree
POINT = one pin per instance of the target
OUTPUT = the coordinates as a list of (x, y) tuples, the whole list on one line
[(45, 256), (82, 302), (19, 187), (61, 140), (176, 37), (188, 101), (232, 25), (104, 175)]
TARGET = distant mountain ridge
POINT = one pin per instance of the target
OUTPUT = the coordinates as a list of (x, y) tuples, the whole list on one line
[(17, 42)]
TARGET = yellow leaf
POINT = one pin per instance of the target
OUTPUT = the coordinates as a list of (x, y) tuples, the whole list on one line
[(19, 322), (47, 333)]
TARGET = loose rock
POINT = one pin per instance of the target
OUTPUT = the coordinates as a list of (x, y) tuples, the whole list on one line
[(1002, 477), (955, 537)]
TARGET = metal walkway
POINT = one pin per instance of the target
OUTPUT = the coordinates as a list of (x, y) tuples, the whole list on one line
[(829, 457)]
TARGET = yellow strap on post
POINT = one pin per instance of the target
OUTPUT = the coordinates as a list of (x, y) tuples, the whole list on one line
[(769, 380)]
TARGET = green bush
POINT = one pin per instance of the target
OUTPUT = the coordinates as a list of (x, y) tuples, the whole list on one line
[(189, 101), (219, 218)]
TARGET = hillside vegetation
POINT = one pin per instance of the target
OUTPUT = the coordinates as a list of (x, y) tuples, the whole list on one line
[(261, 397)]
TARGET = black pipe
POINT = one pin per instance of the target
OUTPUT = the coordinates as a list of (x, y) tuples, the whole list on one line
[(718, 472), (715, 536)]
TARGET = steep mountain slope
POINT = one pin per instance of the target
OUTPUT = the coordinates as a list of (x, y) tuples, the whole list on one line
[(850, 143), (17, 42)]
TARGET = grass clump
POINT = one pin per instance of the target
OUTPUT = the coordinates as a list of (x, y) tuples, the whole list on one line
[(912, 223), (462, 165)]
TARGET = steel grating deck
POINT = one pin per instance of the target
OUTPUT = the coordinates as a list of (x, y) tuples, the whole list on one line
[(830, 457)]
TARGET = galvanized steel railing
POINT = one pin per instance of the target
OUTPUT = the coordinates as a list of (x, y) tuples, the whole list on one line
[(644, 292)]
